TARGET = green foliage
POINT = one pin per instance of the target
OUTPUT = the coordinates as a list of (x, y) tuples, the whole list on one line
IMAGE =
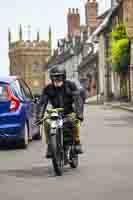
[(123, 87), (119, 33), (119, 49)]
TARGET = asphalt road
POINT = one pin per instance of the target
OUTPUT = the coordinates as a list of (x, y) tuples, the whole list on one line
[(105, 171)]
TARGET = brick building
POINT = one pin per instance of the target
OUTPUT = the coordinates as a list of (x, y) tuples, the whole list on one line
[(91, 20), (29, 58)]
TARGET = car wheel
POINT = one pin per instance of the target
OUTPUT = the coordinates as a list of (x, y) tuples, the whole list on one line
[(25, 140)]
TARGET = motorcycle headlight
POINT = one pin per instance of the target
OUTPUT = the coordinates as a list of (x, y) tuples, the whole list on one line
[(54, 116), (53, 124)]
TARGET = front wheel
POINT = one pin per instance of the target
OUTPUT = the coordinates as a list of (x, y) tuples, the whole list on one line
[(57, 155)]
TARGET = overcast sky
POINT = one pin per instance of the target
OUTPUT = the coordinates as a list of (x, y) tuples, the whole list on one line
[(39, 14)]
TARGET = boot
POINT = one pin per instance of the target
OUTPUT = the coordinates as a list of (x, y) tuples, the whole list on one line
[(48, 152)]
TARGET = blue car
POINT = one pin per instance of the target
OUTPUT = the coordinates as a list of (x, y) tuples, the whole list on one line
[(17, 112)]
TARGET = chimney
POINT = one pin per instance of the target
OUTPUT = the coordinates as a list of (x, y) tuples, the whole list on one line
[(73, 10), (73, 22), (69, 11), (91, 13), (77, 11)]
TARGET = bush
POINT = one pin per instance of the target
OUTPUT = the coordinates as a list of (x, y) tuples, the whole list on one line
[(119, 49)]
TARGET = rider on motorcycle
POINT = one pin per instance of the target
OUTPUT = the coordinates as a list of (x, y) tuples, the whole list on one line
[(62, 93)]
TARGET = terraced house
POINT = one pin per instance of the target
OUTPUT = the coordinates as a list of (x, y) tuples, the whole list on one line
[(120, 13)]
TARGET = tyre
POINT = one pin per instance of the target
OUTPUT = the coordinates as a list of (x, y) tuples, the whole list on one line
[(25, 140), (38, 136), (74, 160), (57, 156)]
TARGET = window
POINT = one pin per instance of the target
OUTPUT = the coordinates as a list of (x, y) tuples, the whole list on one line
[(3, 93), (18, 90), (26, 91)]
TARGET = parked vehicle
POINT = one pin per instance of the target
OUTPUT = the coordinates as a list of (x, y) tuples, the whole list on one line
[(61, 140), (17, 112)]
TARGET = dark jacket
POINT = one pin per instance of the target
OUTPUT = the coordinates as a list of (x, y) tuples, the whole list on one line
[(81, 90), (67, 97)]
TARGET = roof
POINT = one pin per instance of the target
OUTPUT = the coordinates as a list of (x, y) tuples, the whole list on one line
[(63, 57), (58, 59), (87, 60), (8, 79)]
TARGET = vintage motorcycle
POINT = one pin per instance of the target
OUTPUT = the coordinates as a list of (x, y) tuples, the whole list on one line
[(61, 140)]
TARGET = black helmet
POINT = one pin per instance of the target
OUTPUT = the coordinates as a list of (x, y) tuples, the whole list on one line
[(58, 73)]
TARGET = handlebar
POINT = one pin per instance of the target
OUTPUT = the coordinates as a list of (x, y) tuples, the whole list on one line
[(51, 110)]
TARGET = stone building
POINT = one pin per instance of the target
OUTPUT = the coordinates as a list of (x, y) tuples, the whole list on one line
[(68, 55), (29, 58), (88, 74)]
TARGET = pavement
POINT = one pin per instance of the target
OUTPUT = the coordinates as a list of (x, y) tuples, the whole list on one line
[(105, 169), (128, 106), (123, 105)]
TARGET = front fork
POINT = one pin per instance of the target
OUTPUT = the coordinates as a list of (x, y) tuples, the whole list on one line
[(59, 138)]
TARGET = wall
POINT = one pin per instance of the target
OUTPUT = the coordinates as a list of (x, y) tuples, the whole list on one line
[(101, 63), (128, 16)]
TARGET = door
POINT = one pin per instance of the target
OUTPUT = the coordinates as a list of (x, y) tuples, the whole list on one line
[(30, 106)]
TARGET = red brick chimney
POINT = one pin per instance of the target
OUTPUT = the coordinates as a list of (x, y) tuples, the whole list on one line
[(91, 13), (73, 22)]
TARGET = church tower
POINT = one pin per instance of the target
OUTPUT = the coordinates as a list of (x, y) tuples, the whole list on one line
[(29, 59)]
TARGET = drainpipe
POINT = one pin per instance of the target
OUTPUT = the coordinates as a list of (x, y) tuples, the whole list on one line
[(107, 70)]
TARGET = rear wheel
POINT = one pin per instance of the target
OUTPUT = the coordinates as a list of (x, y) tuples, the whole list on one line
[(38, 136), (39, 132), (74, 161), (57, 156)]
